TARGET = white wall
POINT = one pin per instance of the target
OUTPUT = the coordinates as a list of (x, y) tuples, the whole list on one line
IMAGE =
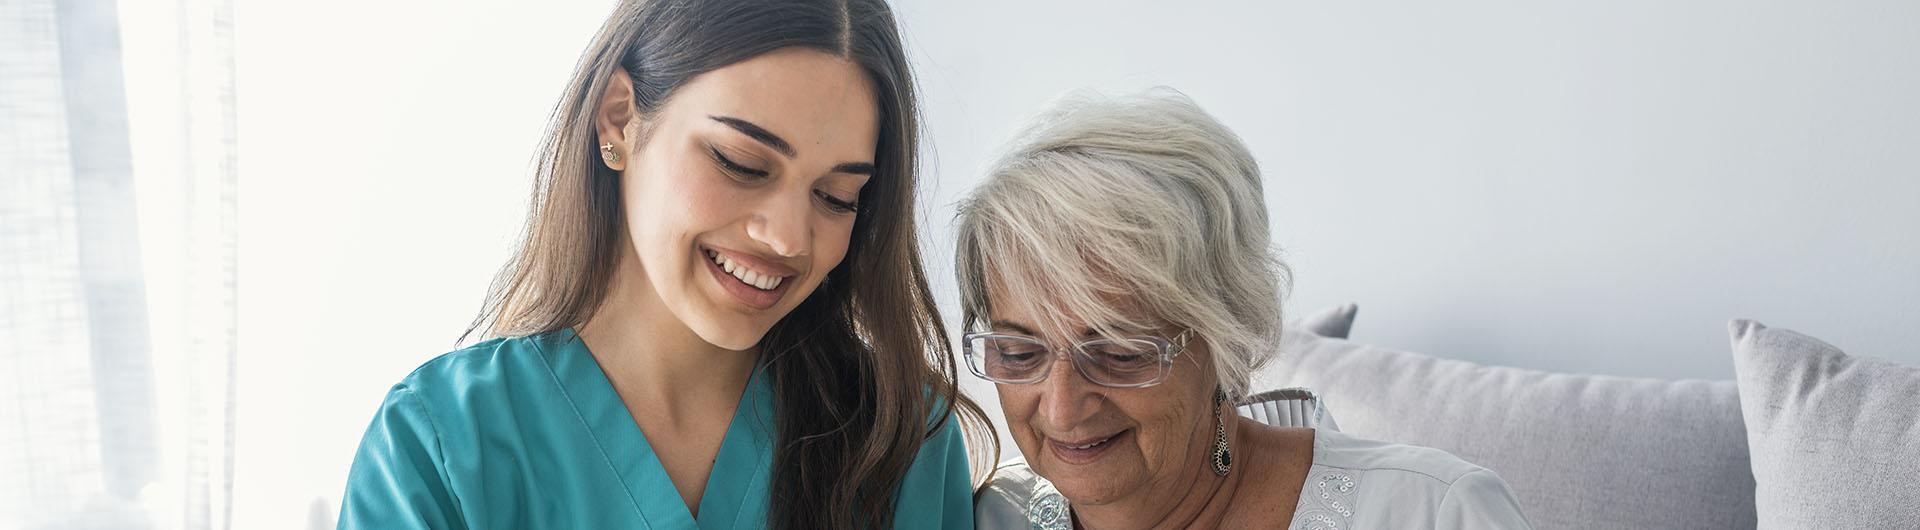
[(385, 148), (1574, 186)]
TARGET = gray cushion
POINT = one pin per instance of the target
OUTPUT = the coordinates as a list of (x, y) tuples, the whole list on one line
[(1335, 322), (1586, 452), (1836, 438)]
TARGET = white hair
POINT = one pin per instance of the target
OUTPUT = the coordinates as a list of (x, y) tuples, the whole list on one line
[(1107, 208)]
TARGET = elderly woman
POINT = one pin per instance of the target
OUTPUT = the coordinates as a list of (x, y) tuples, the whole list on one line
[(1119, 279)]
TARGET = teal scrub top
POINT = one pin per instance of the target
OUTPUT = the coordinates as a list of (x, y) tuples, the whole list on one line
[(527, 432)]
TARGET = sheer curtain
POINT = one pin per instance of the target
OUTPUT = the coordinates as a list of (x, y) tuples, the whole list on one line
[(117, 264)]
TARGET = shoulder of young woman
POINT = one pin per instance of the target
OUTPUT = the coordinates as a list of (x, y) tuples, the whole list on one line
[(492, 362)]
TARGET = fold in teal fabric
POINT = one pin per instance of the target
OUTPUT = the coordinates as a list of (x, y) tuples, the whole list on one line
[(527, 433)]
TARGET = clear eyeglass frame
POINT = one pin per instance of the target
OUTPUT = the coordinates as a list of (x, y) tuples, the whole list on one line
[(975, 348)]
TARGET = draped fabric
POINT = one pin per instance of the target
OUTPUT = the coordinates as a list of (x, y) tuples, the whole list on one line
[(117, 264)]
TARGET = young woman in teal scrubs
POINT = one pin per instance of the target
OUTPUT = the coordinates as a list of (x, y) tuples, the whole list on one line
[(718, 316)]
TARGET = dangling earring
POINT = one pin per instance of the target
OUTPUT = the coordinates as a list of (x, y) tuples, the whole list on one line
[(607, 154), (1222, 455)]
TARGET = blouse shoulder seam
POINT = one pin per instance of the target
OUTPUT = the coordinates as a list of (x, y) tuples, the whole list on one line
[(406, 396), (1471, 469), (1448, 496), (423, 373)]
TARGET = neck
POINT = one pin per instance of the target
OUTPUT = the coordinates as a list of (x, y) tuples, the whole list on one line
[(652, 357), (1197, 498)]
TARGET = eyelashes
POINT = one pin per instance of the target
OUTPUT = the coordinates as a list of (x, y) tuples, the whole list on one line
[(735, 167), (836, 204), (745, 173)]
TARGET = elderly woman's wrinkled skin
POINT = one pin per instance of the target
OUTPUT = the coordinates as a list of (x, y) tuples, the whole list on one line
[(1151, 466)]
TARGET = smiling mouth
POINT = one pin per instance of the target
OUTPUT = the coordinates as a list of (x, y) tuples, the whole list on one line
[(1090, 445), (753, 278), (1085, 451)]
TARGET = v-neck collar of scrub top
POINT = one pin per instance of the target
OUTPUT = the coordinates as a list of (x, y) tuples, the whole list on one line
[(740, 469)]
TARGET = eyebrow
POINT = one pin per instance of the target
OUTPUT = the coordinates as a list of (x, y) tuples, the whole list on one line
[(762, 135), (756, 132), (1009, 326), (1016, 328), (857, 168)]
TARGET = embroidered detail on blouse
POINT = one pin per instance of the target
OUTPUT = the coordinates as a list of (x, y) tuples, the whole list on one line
[(1048, 509), (1330, 505), (1335, 488), (1317, 520)]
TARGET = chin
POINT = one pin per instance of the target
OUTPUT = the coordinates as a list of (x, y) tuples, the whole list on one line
[(720, 321), (728, 331), (1088, 489), (1094, 484), (734, 336)]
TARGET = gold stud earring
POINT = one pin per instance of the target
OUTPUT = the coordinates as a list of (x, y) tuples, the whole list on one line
[(607, 154)]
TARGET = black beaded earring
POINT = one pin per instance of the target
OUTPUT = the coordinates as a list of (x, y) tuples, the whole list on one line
[(1222, 455)]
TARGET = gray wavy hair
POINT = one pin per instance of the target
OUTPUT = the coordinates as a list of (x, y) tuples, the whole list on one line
[(1108, 208)]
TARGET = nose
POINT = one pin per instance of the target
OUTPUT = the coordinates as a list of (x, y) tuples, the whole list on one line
[(782, 224), (1067, 398)]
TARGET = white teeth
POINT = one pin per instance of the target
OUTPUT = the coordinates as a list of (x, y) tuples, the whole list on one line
[(1091, 445), (757, 279)]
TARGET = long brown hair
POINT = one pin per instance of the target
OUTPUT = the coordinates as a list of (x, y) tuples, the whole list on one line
[(862, 365)]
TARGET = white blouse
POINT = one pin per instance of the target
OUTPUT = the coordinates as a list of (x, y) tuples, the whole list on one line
[(1354, 483)]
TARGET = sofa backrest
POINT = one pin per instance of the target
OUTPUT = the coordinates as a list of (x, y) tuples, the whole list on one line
[(1585, 452)]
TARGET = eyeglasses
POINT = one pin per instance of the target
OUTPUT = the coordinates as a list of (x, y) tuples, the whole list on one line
[(1127, 362)]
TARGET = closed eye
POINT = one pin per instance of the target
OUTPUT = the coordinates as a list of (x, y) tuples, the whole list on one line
[(836, 203), (735, 167)]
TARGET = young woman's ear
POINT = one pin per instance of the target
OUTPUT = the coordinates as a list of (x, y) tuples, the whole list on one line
[(615, 119)]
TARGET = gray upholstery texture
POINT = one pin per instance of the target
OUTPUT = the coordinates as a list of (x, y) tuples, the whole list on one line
[(1836, 437), (1582, 452)]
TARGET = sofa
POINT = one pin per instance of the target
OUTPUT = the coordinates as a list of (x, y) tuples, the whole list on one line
[(1805, 436)]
